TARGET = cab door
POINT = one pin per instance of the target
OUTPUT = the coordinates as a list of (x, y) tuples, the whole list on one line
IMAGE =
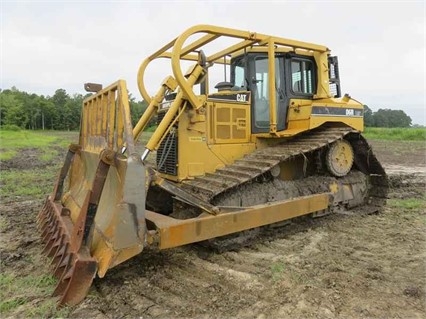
[(259, 87), (251, 72)]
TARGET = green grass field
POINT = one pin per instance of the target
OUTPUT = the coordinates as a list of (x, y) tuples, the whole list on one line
[(12, 141), (32, 174), (395, 134)]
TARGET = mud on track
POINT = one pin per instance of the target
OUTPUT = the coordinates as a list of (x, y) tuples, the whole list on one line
[(347, 265)]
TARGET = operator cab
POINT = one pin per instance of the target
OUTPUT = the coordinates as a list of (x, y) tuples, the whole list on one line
[(295, 78)]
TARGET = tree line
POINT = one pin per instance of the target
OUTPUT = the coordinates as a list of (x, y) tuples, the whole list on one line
[(62, 111), (386, 118), (58, 112)]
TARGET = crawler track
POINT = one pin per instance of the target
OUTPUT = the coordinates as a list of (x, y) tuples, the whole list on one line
[(260, 162)]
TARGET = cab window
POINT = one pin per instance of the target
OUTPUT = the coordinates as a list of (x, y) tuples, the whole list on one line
[(261, 93), (302, 77), (238, 76)]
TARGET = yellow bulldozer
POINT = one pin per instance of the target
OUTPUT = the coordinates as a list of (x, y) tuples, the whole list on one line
[(274, 142)]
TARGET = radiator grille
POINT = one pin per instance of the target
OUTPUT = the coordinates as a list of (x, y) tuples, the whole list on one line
[(167, 152)]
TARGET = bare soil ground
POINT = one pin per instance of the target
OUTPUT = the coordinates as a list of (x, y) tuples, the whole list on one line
[(348, 265)]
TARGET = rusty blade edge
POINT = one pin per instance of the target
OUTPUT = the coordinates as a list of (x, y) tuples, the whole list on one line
[(74, 270)]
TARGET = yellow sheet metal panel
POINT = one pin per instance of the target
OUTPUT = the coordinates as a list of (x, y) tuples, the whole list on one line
[(342, 110), (299, 109), (323, 89), (231, 123), (196, 169), (308, 114), (195, 138)]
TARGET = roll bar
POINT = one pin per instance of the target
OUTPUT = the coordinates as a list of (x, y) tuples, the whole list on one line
[(175, 51)]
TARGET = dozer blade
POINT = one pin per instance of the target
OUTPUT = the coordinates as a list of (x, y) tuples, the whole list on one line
[(96, 221)]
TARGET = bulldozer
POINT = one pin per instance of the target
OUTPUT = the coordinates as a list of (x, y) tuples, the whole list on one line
[(273, 141)]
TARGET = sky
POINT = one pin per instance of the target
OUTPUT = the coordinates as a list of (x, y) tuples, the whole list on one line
[(46, 45)]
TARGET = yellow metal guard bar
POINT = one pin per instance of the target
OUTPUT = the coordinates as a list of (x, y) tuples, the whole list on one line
[(213, 33)]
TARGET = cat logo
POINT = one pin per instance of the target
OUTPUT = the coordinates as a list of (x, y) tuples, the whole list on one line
[(241, 97)]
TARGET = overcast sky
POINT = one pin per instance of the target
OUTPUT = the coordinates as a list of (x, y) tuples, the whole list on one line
[(62, 44)]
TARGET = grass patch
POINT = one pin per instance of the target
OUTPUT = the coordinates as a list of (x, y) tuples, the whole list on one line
[(12, 141), (63, 138), (24, 139), (395, 134), (48, 155), (7, 155), (24, 183), (19, 290), (48, 309), (408, 203), (4, 223), (27, 183), (10, 304), (277, 270), (281, 271)]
